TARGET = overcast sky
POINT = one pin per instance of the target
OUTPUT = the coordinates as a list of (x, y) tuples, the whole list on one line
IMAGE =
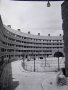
[(35, 17)]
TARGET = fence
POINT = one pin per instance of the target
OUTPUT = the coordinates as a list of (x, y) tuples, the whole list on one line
[(51, 65)]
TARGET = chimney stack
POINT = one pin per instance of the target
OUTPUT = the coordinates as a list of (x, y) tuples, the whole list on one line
[(39, 34), (19, 30), (60, 35), (9, 26), (48, 34), (28, 32)]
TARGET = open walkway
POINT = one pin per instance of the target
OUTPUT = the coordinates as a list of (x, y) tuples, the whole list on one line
[(16, 78)]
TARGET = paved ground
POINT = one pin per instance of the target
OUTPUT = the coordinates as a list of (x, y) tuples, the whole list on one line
[(16, 78)]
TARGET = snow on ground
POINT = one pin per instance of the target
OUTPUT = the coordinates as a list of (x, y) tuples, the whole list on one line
[(26, 80), (29, 80)]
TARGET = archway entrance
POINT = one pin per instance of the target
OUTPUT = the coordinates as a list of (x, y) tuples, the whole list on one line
[(58, 54)]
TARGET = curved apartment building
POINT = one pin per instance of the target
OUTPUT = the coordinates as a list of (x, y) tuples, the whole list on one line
[(16, 44)]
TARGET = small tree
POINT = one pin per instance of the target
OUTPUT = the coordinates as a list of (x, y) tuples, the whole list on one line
[(45, 60), (23, 57), (34, 60)]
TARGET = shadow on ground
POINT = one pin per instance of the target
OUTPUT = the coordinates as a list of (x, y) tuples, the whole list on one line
[(8, 82)]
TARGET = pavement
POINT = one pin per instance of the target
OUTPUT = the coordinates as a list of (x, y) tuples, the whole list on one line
[(16, 78)]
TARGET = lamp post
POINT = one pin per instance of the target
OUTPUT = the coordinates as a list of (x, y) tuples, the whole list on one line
[(23, 59), (34, 64), (45, 60), (58, 60), (48, 4), (27, 56), (34, 61)]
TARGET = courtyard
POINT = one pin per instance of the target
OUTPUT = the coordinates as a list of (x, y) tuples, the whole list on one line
[(16, 78)]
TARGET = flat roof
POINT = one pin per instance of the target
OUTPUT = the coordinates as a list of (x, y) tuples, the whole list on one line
[(32, 35)]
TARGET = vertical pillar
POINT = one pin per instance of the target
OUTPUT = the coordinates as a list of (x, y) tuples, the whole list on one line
[(2, 59), (64, 8), (34, 64)]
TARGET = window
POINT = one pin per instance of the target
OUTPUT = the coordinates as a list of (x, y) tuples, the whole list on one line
[(2, 49), (60, 43)]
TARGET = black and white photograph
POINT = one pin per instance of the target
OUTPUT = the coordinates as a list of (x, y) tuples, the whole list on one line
[(33, 45)]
